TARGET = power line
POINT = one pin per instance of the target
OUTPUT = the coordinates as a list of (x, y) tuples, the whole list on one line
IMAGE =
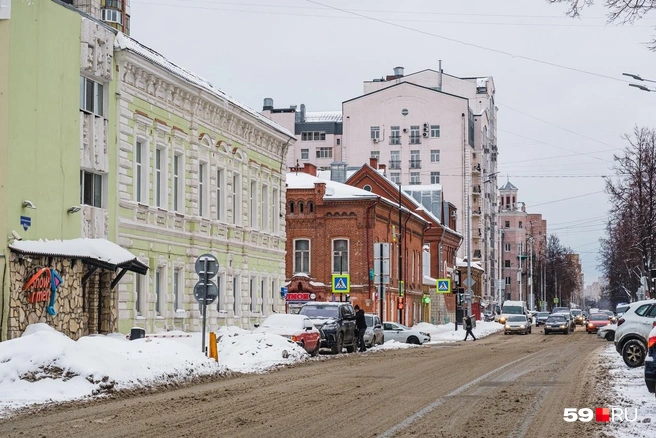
[(565, 199), (587, 154)]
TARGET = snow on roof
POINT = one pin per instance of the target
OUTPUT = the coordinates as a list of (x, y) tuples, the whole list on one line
[(323, 116), (481, 82), (334, 190), (93, 249), (124, 42)]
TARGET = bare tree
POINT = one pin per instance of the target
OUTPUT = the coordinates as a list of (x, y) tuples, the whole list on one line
[(619, 11)]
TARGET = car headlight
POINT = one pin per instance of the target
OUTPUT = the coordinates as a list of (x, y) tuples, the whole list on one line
[(563, 326), (522, 326), (502, 320), (507, 326), (424, 334)]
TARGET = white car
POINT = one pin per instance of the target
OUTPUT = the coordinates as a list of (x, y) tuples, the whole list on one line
[(607, 332), (633, 330), (400, 333)]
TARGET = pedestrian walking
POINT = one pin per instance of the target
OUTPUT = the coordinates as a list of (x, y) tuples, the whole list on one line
[(361, 326), (468, 327)]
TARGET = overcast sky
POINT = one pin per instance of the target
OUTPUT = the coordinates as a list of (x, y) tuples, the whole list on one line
[(560, 115)]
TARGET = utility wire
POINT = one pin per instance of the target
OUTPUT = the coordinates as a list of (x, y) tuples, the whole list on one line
[(564, 199), (587, 154)]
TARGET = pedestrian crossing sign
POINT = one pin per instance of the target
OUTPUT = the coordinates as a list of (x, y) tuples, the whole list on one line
[(443, 286), (341, 284)]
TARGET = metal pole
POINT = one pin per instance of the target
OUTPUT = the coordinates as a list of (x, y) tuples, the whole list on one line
[(380, 290), (400, 255), (469, 291), (204, 304), (531, 275), (520, 272)]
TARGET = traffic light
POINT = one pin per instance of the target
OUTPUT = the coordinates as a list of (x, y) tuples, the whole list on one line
[(399, 303)]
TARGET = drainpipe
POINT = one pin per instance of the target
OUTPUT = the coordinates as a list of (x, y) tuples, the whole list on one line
[(367, 238)]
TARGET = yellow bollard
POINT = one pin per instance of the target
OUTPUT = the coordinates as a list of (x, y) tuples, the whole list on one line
[(214, 350)]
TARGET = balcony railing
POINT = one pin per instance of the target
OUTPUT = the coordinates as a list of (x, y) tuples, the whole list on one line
[(395, 140), (395, 164), (477, 168), (415, 139), (415, 164)]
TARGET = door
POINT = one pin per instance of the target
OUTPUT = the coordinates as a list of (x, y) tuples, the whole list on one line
[(393, 332), (348, 321)]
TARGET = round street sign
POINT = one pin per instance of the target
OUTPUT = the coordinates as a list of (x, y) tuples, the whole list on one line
[(212, 292), (212, 265), (556, 300)]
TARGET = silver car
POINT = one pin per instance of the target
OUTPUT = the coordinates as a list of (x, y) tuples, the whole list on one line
[(400, 333), (517, 324), (374, 334)]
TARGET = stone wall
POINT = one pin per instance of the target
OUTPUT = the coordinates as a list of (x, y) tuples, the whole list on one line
[(77, 308)]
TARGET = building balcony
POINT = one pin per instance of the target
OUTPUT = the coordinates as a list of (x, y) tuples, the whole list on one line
[(476, 168), (415, 140), (415, 164), (394, 140), (395, 164)]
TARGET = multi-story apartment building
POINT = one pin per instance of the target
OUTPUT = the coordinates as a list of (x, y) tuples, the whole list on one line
[(198, 172), (512, 222), (116, 13), (431, 127)]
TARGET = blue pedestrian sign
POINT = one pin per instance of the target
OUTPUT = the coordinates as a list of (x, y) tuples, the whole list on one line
[(341, 283), (443, 286)]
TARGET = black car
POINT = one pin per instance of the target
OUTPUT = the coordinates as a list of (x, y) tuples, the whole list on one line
[(336, 322), (556, 324), (541, 318)]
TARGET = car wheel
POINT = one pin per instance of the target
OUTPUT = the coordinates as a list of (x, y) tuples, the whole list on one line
[(316, 350), (610, 336), (382, 340), (339, 345), (633, 353), (413, 340)]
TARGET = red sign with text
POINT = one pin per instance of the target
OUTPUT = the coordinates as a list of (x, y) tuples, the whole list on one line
[(298, 296)]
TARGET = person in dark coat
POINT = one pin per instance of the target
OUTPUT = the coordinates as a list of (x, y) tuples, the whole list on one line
[(361, 325), (468, 327)]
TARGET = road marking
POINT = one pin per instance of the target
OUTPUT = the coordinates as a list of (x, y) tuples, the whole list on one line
[(416, 416)]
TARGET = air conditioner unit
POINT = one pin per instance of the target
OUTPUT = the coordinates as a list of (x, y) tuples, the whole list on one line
[(375, 140), (405, 130), (425, 134)]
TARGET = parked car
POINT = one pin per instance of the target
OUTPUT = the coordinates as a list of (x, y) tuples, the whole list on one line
[(579, 319), (541, 318), (557, 323), (607, 332), (611, 315), (650, 362), (560, 310), (570, 320), (620, 309), (374, 335), (296, 328), (400, 333), (517, 324), (633, 330), (595, 321), (336, 322)]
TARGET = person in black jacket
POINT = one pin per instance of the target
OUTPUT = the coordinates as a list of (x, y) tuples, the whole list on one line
[(468, 327), (361, 325)]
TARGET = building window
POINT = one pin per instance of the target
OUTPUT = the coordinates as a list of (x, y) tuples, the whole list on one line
[(506, 247), (395, 135), (220, 300), (313, 136), (395, 159), (302, 256), (91, 96), (415, 161), (266, 295), (375, 154), (375, 133), (340, 256), (265, 208), (202, 201), (276, 211), (435, 156), (236, 295), (177, 288), (159, 177), (305, 154), (138, 289), (220, 195), (236, 199), (415, 137), (253, 294), (339, 141), (253, 212), (435, 177), (139, 173), (519, 248), (435, 131), (90, 189), (324, 152), (177, 182), (395, 177), (521, 225), (414, 178), (506, 263), (507, 224), (508, 281), (158, 291)]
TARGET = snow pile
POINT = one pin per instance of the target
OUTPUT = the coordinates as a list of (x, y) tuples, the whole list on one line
[(44, 365), (256, 352), (392, 345), (447, 332)]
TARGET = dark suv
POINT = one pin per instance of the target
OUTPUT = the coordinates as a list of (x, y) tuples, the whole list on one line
[(336, 322)]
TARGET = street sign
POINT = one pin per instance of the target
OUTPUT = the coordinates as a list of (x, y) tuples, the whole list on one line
[(381, 250), (212, 292), (556, 300), (212, 265), (283, 292), (341, 284), (469, 282), (443, 286)]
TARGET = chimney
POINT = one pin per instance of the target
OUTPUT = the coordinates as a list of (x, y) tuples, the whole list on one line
[(383, 168), (398, 72), (302, 112), (268, 104), (310, 169), (373, 162)]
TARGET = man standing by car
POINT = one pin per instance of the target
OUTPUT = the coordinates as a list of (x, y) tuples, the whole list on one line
[(361, 325), (468, 327)]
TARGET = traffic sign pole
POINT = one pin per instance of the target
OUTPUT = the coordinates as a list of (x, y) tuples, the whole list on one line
[(204, 304)]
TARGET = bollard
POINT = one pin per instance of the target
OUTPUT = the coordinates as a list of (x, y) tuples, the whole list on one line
[(214, 349)]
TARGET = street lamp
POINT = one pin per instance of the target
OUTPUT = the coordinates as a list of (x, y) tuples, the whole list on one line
[(641, 79)]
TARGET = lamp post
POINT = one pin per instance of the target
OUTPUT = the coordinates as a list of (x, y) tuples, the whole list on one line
[(530, 278), (401, 284), (641, 79)]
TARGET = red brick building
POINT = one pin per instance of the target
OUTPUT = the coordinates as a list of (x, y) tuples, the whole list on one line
[(332, 229)]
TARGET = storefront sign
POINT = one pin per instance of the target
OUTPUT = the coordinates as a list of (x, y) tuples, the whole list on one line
[(298, 296), (42, 286)]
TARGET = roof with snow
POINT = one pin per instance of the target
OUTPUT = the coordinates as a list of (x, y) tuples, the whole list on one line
[(334, 189), (508, 186), (100, 252), (323, 116), (124, 42)]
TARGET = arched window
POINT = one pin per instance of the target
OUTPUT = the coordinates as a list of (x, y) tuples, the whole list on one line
[(311, 207), (291, 207), (300, 207)]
